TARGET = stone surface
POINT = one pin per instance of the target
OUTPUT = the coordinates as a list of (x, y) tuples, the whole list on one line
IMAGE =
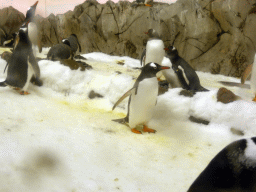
[(11, 20), (216, 36), (226, 96)]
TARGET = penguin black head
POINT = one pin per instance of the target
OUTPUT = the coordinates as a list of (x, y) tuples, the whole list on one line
[(151, 69), (66, 41), (171, 53), (31, 12), (152, 33)]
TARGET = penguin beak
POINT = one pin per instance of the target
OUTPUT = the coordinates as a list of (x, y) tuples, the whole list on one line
[(164, 67), (166, 49), (34, 6), (146, 32)]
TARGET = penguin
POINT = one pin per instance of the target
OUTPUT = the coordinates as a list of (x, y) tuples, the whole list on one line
[(32, 28), (148, 3), (74, 43), (233, 169), (60, 51), (22, 65), (185, 73), (142, 98), (154, 51)]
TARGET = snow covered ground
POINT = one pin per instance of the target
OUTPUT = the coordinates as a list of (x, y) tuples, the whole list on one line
[(57, 139)]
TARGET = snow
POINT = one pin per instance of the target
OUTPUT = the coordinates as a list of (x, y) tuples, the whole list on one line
[(57, 139)]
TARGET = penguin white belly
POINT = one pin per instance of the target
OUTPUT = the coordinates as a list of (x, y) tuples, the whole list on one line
[(32, 34), (155, 51), (253, 79), (142, 104), (29, 76)]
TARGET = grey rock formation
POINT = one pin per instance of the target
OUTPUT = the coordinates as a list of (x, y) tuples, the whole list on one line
[(10, 22), (216, 36)]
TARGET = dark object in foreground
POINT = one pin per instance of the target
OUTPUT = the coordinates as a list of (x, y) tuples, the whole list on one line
[(199, 120), (232, 170)]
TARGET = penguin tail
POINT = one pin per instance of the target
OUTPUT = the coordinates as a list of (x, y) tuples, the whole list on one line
[(3, 84), (202, 89)]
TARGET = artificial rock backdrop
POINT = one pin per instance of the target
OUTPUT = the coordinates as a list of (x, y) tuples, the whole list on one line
[(217, 36)]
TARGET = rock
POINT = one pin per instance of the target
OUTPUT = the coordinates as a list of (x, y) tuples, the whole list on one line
[(187, 93), (6, 55), (236, 132), (74, 65), (93, 95), (226, 96), (198, 120), (11, 20), (214, 36)]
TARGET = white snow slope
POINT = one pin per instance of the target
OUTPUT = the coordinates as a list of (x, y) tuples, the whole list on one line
[(57, 139)]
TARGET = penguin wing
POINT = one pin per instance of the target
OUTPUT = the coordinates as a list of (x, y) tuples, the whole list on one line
[(246, 73), (143, 55), (128, 93)]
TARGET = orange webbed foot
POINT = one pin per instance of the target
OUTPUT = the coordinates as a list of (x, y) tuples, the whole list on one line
[(254, 99), (146, 129), (136, 131), (24, 93)]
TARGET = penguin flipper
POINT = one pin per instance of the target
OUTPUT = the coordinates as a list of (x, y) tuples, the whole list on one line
[(128, 93), (142, 58), (246, 73), (5, 67), (122, 120)]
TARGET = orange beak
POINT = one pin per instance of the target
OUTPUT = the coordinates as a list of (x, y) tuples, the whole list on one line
[(35, 4), (166, 49), (165, 67), (148, 5)]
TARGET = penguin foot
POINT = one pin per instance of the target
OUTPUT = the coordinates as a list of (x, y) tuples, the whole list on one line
[(135, 131), (254, 99), (158, 79), (148, 5), (146, 129), (24, 93), (17, 88)]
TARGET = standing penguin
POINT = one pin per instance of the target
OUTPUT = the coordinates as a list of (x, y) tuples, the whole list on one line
[(60, 51), (22, 65), (148, 3), (232, 170), (142, 98), (154, 51), (74, 43), (185, 73)]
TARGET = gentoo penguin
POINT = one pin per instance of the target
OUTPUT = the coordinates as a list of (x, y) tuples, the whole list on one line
[(32, 28), (60, 51), (22, 65), (74, 43), (185, 73), (148, 3), (232, 170), (154, 51), (142, 98)]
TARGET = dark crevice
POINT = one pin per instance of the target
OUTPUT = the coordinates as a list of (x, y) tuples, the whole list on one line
[(250, 40), (195, 47), (114, 19)]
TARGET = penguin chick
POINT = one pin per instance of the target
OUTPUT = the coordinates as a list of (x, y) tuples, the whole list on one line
[(186, 74), (74, 43), (60, 51), (22, 65), (232, 170), (142, 98)]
